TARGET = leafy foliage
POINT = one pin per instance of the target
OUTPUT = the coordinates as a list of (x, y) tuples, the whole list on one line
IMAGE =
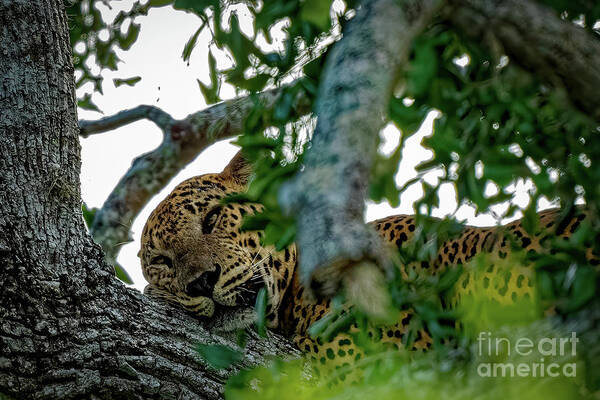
[(498, 124), (96, 41), (393, 375), (218, 356), (261, 312)]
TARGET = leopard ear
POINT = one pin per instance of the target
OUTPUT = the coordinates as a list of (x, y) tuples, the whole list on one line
[(238, 169)]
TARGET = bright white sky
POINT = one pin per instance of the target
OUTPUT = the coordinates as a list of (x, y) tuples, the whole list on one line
[(169, 83)]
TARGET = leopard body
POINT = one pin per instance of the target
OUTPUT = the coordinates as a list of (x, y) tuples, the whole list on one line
[(195, 254)]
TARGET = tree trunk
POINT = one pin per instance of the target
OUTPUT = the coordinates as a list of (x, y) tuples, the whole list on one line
[(68, 328)]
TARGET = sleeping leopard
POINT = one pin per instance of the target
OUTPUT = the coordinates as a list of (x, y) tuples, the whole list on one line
[(195, 254)]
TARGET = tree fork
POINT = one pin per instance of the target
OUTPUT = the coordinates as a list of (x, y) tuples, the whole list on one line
[(182, 141)]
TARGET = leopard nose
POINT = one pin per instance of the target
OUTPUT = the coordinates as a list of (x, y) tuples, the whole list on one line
[(205, 284)]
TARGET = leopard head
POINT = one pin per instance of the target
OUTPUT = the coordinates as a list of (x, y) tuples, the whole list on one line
[(195, 254)]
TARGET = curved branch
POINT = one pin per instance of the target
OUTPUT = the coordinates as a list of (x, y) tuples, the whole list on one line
[(182, 141), (154, 114), (329, 196), (535, 37)]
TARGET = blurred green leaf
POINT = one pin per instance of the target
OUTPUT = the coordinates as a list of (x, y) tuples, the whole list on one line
[(211, 93), (287, 238), (422, 69), (584, 287), (88, 214), (196, 6), (160, 3), (407, 119), (127, 81), (256, 83), (122, 274), (87, 104), (261, 312), (219, 356), (316, 12), (191, 44), (125, 42)]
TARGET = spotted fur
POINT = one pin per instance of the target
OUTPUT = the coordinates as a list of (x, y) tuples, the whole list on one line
[(195, 254)]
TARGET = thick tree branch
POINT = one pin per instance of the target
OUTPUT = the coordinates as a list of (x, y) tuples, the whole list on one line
[(87, 335), (182, 141), (329, 196), (535, 37)]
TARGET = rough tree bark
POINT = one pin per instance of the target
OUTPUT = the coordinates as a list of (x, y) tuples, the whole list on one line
[(69, 328), (329, 196)]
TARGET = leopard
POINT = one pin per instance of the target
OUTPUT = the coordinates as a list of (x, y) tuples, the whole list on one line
[(195, 253)]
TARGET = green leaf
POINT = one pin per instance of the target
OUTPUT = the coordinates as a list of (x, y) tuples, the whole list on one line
[(287, 238), (530, 219), (191, 43), (218, 356), (545, 285), (283, 108), (211, 93), (236, 198), (256, 222), (317, 13), (160, 3), (127, 81), (317, 328), (241, 338), (129, 39), (260, 185), (313, 68), (584, 287), (196, 6), (87, 104), (449, 278), (239, 45), (110, 61), (88, 214), (122, 274), (339, 324), (502, 174), (407, 119), (256, 83), (261, 312), (423, 69), (250, 141)]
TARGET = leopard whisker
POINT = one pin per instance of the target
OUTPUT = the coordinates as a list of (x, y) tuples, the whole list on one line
[(255, 267)]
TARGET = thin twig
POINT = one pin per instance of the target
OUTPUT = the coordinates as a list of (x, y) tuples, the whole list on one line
[(163, 120)]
